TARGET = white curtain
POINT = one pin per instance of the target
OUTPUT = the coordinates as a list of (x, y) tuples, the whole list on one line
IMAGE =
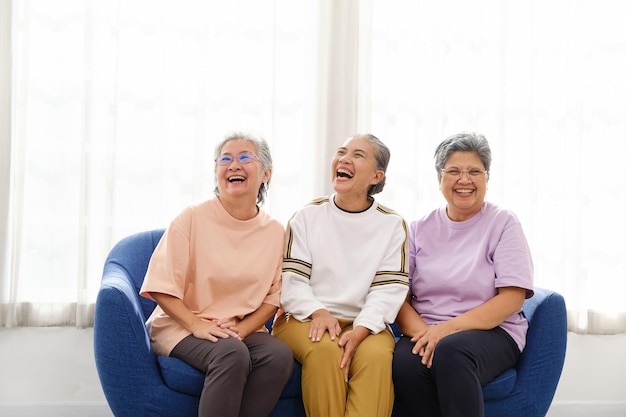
[(544, 81), (5, 146), (115, 107)]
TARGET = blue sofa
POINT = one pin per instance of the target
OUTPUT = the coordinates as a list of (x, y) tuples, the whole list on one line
[(136, 382)]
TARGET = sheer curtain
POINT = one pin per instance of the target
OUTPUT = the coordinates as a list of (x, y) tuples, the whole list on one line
[(115, 108), (544, 81), (5, 144)]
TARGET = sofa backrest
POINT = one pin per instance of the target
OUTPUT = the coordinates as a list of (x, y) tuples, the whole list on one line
[(133, 254)]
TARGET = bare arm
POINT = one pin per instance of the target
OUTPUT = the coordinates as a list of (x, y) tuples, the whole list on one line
[(252, 322), (484, 317), (200, 328), (408, 320), (491, 313)]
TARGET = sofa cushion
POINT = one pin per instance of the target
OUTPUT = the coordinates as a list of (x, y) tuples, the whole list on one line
[(293, 389), (180, 376), (184, 378), (502, 386)]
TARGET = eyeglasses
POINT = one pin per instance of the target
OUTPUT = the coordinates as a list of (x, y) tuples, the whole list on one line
[(244, 158), (472, 173)]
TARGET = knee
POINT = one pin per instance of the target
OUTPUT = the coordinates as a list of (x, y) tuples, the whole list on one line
[(375, 356), (282, 353), (450, 345), (321, 351), (404, 361), (233, 354), (451, 354), (282, 358)]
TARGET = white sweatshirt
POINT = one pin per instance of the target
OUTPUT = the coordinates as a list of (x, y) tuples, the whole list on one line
[(355, 265)]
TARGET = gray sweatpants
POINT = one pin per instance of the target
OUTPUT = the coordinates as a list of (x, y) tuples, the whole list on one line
[(243, 378)]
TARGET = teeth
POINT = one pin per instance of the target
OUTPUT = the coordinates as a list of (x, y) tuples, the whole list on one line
[(236, 178), (464, 191), (346, 172)]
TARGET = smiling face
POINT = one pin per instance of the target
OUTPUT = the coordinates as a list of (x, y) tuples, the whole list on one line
[(465, 194), (353, 169), (237, 180)]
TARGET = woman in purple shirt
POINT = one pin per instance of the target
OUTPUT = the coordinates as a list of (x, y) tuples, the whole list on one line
[(470, 272)]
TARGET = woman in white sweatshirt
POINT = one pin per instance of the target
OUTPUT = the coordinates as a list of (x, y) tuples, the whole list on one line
[(345, 276)]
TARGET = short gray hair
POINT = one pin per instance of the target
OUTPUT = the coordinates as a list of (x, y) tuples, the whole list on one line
[(463, 142), (262, 152)]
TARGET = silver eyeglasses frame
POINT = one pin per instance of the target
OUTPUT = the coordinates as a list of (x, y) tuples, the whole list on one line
[(472, 173)]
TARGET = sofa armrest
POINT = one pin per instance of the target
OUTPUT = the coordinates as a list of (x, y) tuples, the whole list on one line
[(541, 363), (126, 365)]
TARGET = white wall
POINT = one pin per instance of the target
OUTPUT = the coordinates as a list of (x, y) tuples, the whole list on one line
[(46, 369), (593, 382), (46, 366)]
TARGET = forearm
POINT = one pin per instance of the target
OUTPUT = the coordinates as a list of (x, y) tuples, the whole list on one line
[(491, 313), (253, 321), (360, 333), (409, 321), (176, 309)]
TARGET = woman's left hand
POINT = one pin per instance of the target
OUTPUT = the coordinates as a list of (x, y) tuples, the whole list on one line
[(350, 341), (229, 323), (427, 339)]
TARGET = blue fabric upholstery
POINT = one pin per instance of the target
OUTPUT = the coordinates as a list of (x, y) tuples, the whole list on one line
[(528, 389), (138, 383)]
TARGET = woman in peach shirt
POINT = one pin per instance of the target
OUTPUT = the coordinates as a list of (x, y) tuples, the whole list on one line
[(216, 276)]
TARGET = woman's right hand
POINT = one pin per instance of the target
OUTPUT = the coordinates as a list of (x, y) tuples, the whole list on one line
[(199, 327), (321, 321), (210, 330)]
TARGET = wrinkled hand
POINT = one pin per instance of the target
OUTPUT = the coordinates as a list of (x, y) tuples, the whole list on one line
[(426, 341), (210, 330), (350, 341), (229, 324), (321, 321)]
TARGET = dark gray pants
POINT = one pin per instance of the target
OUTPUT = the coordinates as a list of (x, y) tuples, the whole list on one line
[(243, 378), (452, 387)]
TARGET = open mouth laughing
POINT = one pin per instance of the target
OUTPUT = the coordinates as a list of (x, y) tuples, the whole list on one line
[(344, 173), (236, 179)]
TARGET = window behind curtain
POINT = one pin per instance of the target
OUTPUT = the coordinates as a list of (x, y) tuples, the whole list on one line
[(544, 82), (118, 106)]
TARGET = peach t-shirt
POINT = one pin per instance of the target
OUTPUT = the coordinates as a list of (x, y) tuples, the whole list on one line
[(219, 266)]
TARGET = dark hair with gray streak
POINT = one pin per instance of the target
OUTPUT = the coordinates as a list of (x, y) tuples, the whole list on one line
[(463, 142), (382, 161), (262, 151)]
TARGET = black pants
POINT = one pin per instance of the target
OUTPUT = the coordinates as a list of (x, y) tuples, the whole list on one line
[(243, 378), (462, 363)]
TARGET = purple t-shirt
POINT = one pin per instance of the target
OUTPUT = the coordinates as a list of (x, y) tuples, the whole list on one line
[(457, 266)]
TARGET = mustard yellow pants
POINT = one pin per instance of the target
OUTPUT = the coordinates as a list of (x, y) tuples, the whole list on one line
[(325, 393)]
